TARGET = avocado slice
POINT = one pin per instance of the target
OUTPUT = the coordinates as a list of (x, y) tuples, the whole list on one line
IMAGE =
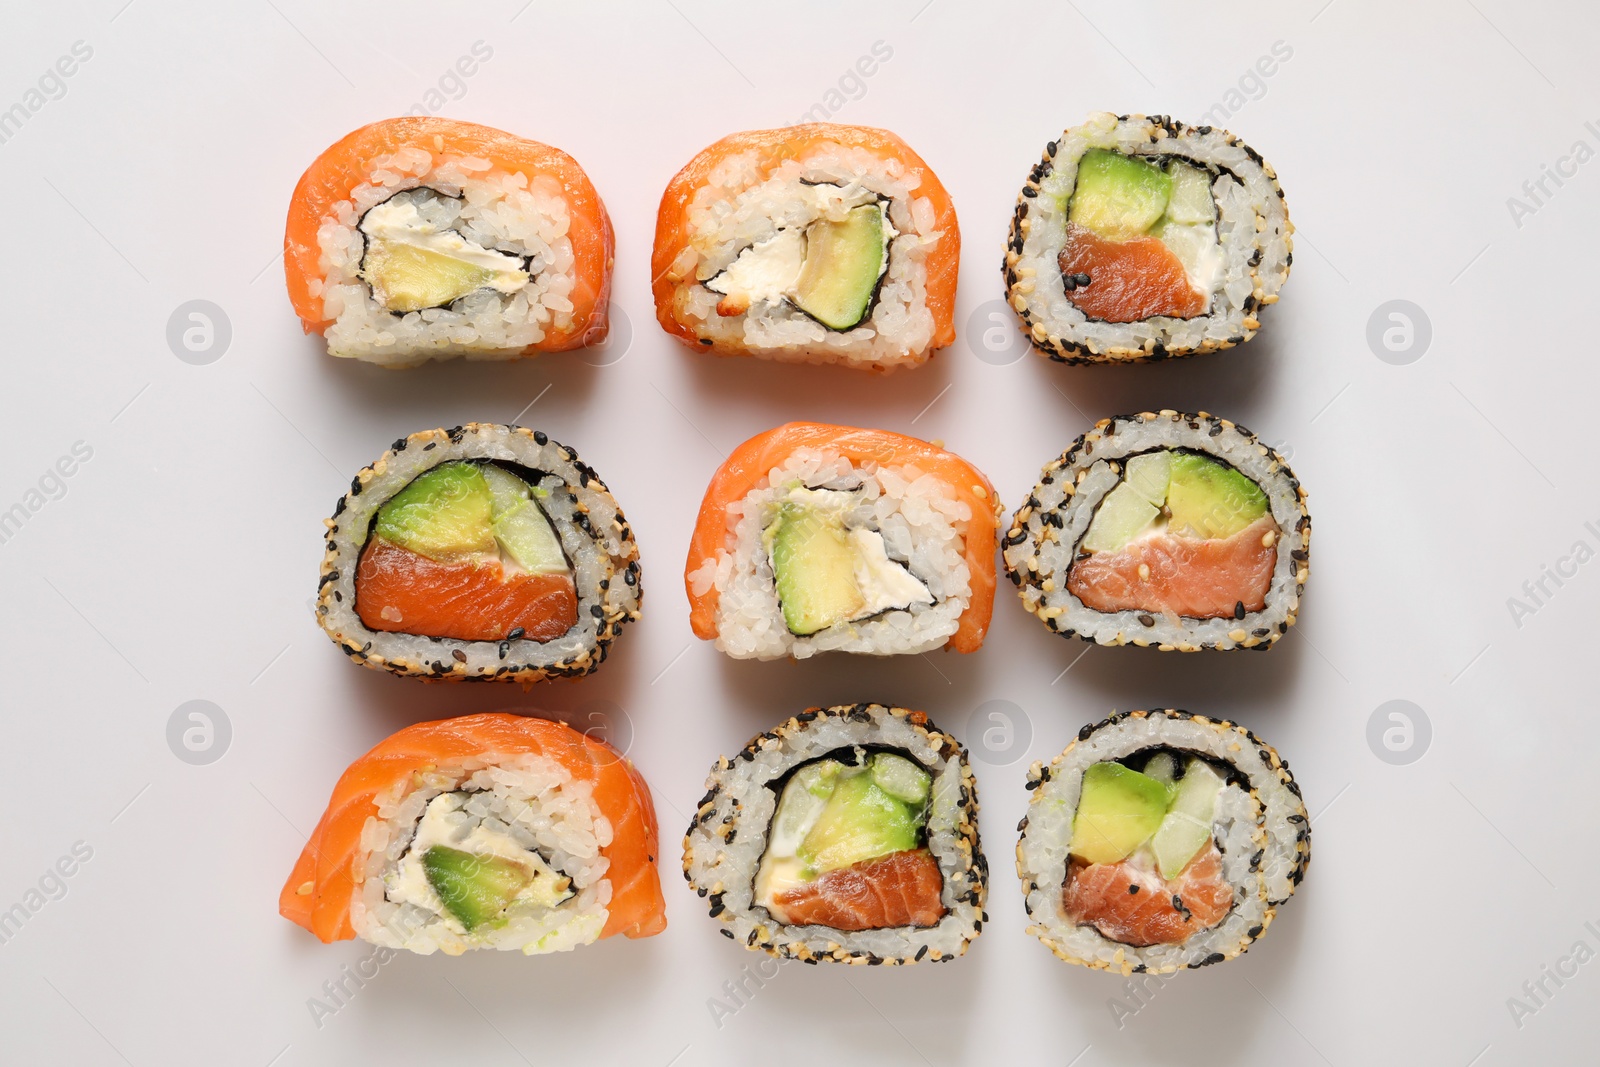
[(475, 889), (1118, 810), (406, 277), (1116, 196), (1211, 500), (443, 514), (901, 778), (843, 263), (520, 524), (813, 565), (859, 822), (1187, 827)]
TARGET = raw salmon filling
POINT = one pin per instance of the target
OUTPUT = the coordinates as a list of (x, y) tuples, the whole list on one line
[(847, 846), (1144, 866), (1182, 534), (466, 552)]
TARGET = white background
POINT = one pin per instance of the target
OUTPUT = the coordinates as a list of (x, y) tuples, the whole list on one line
[(180, 562)]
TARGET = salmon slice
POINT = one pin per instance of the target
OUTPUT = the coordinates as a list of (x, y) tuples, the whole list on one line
[(1139, 907), (1129, 281), (323, 883), (900, 889), (758, 153), (404, 592), (750, 463), (1203, 579), (350, 162)]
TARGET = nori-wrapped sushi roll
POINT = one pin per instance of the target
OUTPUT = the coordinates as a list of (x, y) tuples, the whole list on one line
[(480, 553), (847, 834), (1142, 238), (1160, 840), (1182, 532)]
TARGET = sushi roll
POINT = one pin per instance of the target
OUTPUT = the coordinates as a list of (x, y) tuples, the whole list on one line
[(480, 553), (847, 834), (426, 238), (816, 243), (1141, 238), (815, 538), (487, 831), (1160, 840), (1178, 531)]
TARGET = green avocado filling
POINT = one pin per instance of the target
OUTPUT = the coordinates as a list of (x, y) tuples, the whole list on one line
[(462, 510), (829, 268), (1122, 198), (416, 259), (1182, 493), (827, 568), (1165, 811), (475, 889), (831, 815)]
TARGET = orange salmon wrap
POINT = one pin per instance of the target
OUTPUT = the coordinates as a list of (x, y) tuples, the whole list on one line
[(749, 468), (721, 207), (540, 191), (328, 878)]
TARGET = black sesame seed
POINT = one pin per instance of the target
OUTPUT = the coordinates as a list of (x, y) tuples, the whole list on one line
[(458, 655), (1238, 609), (1132, 889), (1147, 620)]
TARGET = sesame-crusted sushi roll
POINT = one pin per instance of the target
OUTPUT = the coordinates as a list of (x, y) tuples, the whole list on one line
[(815, 538), (1160, 840), (847, 834), (426, 238), (491, 831), (1178, 531), (480, 553), (1141, 238), (816, 243)]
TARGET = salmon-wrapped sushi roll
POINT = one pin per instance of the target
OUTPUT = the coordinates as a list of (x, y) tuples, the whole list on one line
[(847, 834), (479, 553), (815, 538), (1160, 840), (1178, 531), (817, 243), (487, 831), (426, 238)]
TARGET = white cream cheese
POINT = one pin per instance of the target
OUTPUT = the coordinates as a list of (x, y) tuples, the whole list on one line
[(444, 822), (398, 222), (767, 271)]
